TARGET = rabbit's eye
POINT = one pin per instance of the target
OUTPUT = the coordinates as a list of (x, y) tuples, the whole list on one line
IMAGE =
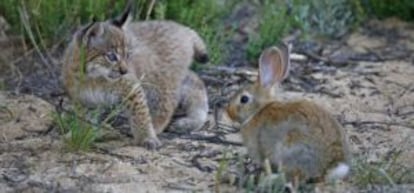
[(244, 99), (112, 57)]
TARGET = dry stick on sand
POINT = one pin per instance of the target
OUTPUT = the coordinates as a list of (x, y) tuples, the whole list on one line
[(216, 139), (222, 70), (325, 59), (405, 114), (406, 125)]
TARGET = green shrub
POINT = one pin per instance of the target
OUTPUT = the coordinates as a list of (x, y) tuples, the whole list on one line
[(46, 22), (385, 172), (204, 17), (81, 134), (403, 9), (50, 20), (273, 25), (331, 18)]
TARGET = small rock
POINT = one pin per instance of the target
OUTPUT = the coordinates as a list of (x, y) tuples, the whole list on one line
[(23, 115), (362, 43)]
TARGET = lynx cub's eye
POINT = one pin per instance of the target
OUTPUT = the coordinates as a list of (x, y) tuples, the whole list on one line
[(244, 99), (112, 57)]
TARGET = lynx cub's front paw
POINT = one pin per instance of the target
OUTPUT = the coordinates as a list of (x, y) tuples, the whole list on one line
[(151, 143)]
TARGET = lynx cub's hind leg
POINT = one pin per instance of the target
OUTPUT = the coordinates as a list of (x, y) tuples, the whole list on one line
[(192, 110)]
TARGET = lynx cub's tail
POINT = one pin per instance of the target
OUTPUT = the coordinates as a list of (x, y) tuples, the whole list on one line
[(200, 50)]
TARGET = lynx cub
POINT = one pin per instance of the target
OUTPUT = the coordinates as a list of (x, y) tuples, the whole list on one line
[(145, 65)]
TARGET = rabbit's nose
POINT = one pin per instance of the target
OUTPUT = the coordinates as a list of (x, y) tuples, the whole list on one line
[(123, 71), (123, 68)]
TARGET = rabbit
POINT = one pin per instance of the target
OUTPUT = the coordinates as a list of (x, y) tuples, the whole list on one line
[(298, 137)]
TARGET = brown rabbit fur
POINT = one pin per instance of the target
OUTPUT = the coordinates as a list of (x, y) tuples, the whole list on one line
[(298, 137), (143, 64)]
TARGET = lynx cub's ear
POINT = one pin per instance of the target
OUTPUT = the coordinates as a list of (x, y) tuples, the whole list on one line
[(274, 65), (125, 18), (92, 34)]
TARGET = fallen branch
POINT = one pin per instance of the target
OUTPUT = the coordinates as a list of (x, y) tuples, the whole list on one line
[(213, 80), (210, 139), (196, 163), (327, 92), (326, 59), (405, 114), (298, 57), (230, 71), (120, 156), (406, 125)]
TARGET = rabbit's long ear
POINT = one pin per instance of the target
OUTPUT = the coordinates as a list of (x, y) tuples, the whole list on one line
[(126, 16), (274, 65)]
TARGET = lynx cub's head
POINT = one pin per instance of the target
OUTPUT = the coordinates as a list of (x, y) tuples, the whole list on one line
[(99, 49)]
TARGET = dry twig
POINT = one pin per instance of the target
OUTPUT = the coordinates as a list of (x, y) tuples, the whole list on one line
[(406, 125)]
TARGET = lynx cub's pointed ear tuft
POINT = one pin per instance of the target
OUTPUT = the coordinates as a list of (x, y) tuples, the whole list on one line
[(123, 20), (80, 36), (92, 33), (273, 65)]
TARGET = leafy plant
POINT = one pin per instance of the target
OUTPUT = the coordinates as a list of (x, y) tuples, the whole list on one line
[(45, 22), (49, 19), (403, 9), (204, 17), (273, 24), (81, 133), (332, 18), (252, 181), (388, 171)]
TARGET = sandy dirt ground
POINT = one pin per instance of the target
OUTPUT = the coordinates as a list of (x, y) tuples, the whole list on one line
[(365, 80)]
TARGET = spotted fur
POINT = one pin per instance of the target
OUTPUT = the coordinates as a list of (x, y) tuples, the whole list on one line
[(144, 65)]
